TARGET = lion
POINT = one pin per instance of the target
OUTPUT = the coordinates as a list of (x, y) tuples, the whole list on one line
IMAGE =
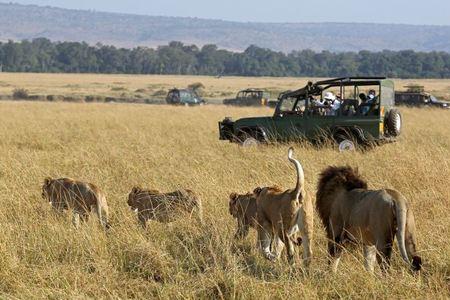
[(81, 197), (163, 207), (243, 208), (281, 214), (351, 212)]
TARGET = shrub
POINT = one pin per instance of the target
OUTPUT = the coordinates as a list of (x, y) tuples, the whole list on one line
[(160, 93), (20, 93)]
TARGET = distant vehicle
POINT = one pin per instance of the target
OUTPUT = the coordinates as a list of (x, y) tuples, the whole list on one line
[(251, 97), (415, 95), (303, 114), (184, 97)]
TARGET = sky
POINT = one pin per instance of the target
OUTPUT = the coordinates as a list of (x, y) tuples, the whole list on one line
[(418, 12)]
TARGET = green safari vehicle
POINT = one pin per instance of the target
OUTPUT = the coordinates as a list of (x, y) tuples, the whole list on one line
[(348, 110)]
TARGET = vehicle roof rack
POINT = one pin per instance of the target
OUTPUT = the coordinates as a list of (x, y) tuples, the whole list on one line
[(316, 87), (356, 78)]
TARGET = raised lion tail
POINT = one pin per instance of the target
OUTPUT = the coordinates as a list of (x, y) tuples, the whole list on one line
[(300, 174)]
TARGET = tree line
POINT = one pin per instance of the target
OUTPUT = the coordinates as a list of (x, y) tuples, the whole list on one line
[(42, 55)]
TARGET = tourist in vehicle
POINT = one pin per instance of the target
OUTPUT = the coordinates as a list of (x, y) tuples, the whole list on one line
[(367, 101), (333, 104)]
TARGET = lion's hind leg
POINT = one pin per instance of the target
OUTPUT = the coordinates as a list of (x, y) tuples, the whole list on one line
[(76, 219), (370, 253), (305, 224), (335, 245), (277, 246), (289, 247), (384, 254), (265, 234)]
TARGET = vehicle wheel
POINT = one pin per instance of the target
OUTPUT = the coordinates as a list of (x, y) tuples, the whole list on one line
[(246, 140), (393, 122), (250, 142), (346, 145)]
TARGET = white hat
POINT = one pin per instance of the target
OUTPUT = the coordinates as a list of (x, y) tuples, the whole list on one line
[(329, 96)]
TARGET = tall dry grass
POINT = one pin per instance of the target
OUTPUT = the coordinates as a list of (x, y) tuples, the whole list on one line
[(117, 146)]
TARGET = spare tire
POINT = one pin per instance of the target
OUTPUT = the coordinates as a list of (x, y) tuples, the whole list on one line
[(393, 123)]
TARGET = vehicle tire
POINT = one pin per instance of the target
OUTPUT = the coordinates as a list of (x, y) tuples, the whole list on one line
[(246, 140), (250, 142), (346, 145), (393, 123)]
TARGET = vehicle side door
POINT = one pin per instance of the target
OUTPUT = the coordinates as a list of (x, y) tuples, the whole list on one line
[(318, 122), (289, 122)]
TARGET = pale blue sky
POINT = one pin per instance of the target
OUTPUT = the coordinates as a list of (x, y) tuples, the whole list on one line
[(432, 12)]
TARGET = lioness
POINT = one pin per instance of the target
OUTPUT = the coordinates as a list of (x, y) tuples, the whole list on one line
[(81, 197), (243, 208), (280, 214), (351, 212), (163, 207)]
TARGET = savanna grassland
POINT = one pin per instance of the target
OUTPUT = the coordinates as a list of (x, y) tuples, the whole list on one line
[(78, 86), (118, 146)]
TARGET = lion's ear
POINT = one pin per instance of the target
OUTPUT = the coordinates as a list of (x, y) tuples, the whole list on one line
[(233, 196), (135, 190), (47, 180), (257, 191)]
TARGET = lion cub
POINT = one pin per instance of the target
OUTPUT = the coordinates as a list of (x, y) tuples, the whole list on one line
[(280, 214), (163, 207), (81, 197)]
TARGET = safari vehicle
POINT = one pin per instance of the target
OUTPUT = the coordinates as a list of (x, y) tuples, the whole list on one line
[(250, 97), (415, 95), (184, 97), (298, 115)]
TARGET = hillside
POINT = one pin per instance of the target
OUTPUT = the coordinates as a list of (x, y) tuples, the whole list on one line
[(19, 22)]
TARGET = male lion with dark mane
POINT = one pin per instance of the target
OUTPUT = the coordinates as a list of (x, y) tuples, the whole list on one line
[(81, 197), (281, 214), (163, 207), (351, 212)]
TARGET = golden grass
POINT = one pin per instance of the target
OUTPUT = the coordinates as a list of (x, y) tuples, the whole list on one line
[(81, 85), (117, 146)]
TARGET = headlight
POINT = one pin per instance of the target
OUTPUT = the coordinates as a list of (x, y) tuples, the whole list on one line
[(444, 104)]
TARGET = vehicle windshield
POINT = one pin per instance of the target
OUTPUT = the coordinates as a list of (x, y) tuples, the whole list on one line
[(433, 99), (287, 104)]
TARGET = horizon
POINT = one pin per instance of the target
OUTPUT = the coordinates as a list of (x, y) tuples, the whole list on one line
[(162, 12)]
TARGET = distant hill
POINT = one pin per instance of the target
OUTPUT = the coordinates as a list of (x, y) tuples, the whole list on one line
[(19, 22)]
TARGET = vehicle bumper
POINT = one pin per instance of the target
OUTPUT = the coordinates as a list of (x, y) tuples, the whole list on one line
[(225, 131)]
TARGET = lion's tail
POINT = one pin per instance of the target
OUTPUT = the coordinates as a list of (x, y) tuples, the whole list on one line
[(401, 215), (300, 173), (406, 231)]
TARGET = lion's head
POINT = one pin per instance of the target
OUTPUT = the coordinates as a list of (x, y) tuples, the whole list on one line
[(46, 188), (133, 199), (238, 204), (331, 180), (56, 192), (138, 195)]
